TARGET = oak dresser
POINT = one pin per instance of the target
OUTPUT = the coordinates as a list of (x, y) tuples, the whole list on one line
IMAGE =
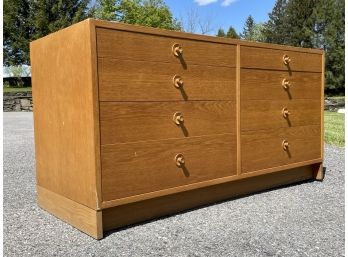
[(133, 123)]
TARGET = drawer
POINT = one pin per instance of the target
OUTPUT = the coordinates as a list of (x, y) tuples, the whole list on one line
[(263, 58), (125, 80), (268, 85), (122, 122), (264, 149), (146, 47), (266, 115), (143, 167)]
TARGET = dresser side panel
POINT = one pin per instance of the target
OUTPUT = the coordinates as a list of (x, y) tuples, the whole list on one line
[(64, 115)]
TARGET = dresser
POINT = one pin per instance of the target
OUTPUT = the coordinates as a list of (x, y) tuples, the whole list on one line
[(134, 123)]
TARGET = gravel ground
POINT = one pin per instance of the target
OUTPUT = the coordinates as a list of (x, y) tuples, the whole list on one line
[(300, 220)]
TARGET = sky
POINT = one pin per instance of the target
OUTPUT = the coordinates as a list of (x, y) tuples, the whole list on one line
[(223, 13)]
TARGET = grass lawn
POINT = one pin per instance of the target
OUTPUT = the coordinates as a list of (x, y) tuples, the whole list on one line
[(334, 128), (337, 98), (17, 89)]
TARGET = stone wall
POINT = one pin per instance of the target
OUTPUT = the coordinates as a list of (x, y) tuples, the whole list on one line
[(18, 102)]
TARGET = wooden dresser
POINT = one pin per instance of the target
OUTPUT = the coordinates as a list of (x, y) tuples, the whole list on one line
[(133, 123)]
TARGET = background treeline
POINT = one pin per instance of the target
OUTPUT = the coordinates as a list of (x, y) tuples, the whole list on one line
[(303, 23)]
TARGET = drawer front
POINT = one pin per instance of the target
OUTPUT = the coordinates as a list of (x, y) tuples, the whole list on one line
[(143, 167), (272, 85), (122, 122), (268, 115), (125, 80), (263, 58), (264, 149), (146, 47)]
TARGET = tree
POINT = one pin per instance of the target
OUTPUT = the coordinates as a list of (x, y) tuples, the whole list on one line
[(150, 13), (231, 33), (248, 28), (105, 10), (50, 16), (17, 31), (258, 34), (291, 22), (26, 20), (328, 17), (221, 33), (312, 23), (299, 23), (274, 28)]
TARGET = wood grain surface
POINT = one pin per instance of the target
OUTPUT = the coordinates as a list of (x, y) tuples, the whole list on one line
[(265, 114), (261, 58), (184, 35), (64, 114), (263, 149), (123, 122), (141, 167), (129, 80), (139, 211), (267, 85), (137, 46), (80, 216)]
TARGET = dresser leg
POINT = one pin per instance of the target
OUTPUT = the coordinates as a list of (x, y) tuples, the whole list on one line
[(79, 216), (319, 172)]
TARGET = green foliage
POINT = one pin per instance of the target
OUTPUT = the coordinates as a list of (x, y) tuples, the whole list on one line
[(151, 13), (248, 30), (274, 28), (334, 128), (231, 33), (329, 35), (315, 24), (26, 20), (221, 33), (105, 10), (253, 31), (17, 31), (50, 16)]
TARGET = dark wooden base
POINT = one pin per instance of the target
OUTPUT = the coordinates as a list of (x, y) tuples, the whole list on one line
[(149, 209), (94, 222)]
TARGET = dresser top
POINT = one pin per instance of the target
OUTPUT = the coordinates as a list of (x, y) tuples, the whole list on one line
[(95, 24), (185, 35)]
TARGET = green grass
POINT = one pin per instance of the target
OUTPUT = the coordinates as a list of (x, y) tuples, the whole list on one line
[(337, 99), (17, 89), (334, 128)]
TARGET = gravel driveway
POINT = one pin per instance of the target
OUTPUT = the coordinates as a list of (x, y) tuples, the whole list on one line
[(300, 220)]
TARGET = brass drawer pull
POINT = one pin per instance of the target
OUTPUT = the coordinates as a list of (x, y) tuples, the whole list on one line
[(178, 118), (286, 59), (177, 50), (178, 81), (285, 112), (179, 160), (286, 83), (285, 145)]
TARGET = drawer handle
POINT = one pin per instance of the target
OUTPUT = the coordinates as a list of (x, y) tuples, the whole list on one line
[(285, 112), (178, 81), (286, 83), (177, 50), (285, 145), (178, 118), (179, 160), (286, 59)]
